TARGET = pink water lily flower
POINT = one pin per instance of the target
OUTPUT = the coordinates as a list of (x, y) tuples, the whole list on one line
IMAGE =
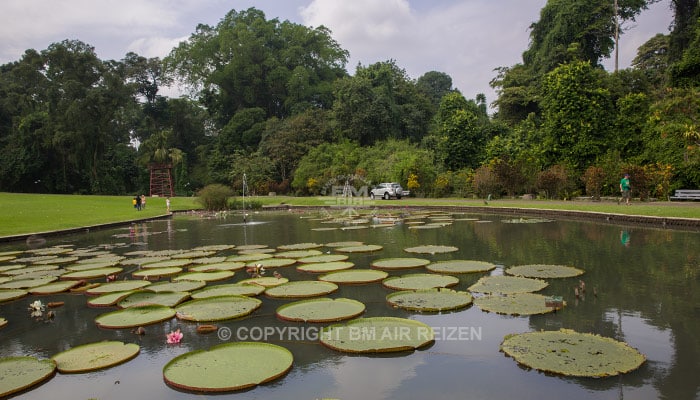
[(174, 337)]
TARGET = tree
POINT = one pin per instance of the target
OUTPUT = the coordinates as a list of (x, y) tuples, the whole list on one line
[(462, 129), (434, 85)]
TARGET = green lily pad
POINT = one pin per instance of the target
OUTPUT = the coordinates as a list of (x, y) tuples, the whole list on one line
[(58, 260), (246, 258), (179, 286), (108, 299), (134, 316), (3, 322), (194, 254), (430, 249), (544, 271), (377, 335), (514, 304), (431, 300), (251, 247), (299, 246), (325, 266), (228, 367), (365, 248), (419, 281), (298, 289), (142, 298), (257, 251), (571, 353), (356, 276), (460, 266), (321, 310), (209, 260), (27, 283), (120, 286), (220, 266), (298, 254), (142, 260), (156, 273), (32, 269), (92, 273), (54, 287), (205, 276), (526, 220), (217, 308), (12, 294), (85, 267), (324, 258), (273, 263), (94, 356), (215, 247), (349, 243), (265, 281), (229, 289), (5, 268), (399, 263), (182, 262), (20, 373), (507, 285)]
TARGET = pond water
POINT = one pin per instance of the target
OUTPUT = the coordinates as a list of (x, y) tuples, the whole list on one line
[(646, 282)]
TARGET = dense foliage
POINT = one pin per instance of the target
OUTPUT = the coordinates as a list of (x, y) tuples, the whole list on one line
[(273, 101)]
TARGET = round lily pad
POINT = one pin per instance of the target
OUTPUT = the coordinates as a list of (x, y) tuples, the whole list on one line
[(399, 263), (134, 316), (298, 289), (460, 266), (20, 373), (251, 247), (299, 246), (419, 281), (108, 299), (344, 244), (321, 310), (571, 353), (142, 298), (94, 356), (273, 262), (179, 286), (194, 254), (245, 258), (366, 248), (544, 271), (507, 285), (257, 251), (377, 335), (229, 289), (217, 308), (325, 266), (514, 304), (12, 294), (3, 322), (29, 270), (156, 273), (54, 287), (205, 276), (142, 260), (298, 253), (265, 281), (355, 276), (182, 262), (85, 267), (220, 266), (208, 260), (228, 367), (324, 258), (92, 273), (120, 286), (430, 249), (215, 247), (431, 300)]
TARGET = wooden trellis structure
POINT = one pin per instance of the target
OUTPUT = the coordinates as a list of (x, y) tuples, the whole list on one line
[(161, 180)]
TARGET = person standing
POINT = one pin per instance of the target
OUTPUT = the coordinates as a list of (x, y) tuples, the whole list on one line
[(625, 188), (167, 204), (143, 201)]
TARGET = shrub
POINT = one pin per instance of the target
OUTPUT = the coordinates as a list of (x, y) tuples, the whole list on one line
[(214, 197), (485, 182), (554, 181), (594, 178)]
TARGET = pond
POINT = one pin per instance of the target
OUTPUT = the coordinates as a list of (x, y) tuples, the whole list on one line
[(642, 288)]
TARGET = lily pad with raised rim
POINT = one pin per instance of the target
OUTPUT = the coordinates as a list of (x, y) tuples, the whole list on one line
[(324, 258), (357, 276), (419, 281), (228, 367), (12, 294), (317, 268), (95, 356), (120, 286), (349, 243), (228, 289), (142, 298), (212, 276), (134, 316), (571, 353), (217, 308), (544, 271), (298, 289), (251, 247), (220, 266), (365, 248), (54, 287), (514, 304), (246, 258), (27, 283), (430, 300), (3, 322), (299, 246), (20, 373), (298, 254), (265, 281), (431, 249), (321, 310), (399, 263), (85, 267), (460, 266), (182, 262), (108, 299), (179, 286), (507, 285), (156, 273), (273, 263), (91, 273), (377, 335)]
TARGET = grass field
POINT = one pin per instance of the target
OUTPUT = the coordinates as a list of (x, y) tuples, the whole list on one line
[(35, 213)]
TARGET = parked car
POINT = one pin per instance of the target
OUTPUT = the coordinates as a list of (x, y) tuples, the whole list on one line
[(386, 191)]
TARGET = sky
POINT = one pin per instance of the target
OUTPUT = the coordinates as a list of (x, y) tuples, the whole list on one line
[(466, 39)]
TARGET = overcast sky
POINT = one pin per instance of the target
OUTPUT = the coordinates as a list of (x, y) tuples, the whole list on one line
[(466, 39)]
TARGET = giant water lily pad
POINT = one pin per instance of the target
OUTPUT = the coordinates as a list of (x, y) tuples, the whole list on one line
[(378, 335), (299, 246), (514, 304), (323, 267), (85, 267), (3, 322), (156, 273), (142, 298), (29, 270), (182, 262), (20, 373), (273, 262), (108, 299), (431, 300), (298, 289), (204, 276), (134, 316), (250, 247), (366, 248), (179, 286), (354, 277), (94, 356), (194, 254), (27, 283), (544, 271), (507, 285), (217, 308), (321, 310), (419, 281), (229, 289), (54, 287), (298, 254), (572, 353), (219, 266), (91, 273), (12, 294), (431, 249), (324, 258), (228, 367), (460, 266), (265, 281), (120, 286), (349, 243), (399, 263), (245, 258)]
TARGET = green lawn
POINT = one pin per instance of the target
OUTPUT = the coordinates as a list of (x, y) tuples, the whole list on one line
[(36, 213)]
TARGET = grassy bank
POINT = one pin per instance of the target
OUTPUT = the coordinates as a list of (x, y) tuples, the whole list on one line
[(35, 213)]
